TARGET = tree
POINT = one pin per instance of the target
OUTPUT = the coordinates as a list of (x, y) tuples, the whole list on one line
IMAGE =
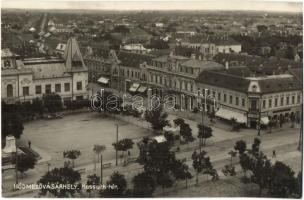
[(52, 102), (204, 132), (25, 162), (201, 163), (158, 161), (255, 147), (181, 170), (92, 181), (186, 133), (232, 155), (262, 28), (290, 53), (58, 176), (12, 124), (299, 185), (169, 137), (261, 170), (179, 121), (123, 145), (240, 146), (157, 118), (120, 184), (283, 182), (72, 155), (98, 149), (144, 185), (121, 29), (37, 106)]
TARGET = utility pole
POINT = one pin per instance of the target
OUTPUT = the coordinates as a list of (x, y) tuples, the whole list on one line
[(101, 168), (259, 122), (16, 163), (301, 129), (116, 144)]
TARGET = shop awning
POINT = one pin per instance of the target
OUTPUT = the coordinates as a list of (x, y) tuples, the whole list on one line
[(134, 87), (103, 80), (228, 114), (264, 120), (142, 89)]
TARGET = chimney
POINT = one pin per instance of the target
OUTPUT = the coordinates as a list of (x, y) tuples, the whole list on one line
[(226, 65)]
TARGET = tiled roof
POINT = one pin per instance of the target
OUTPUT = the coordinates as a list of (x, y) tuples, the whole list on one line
[(224, 80), (256, 61), (165, 58), (268, 84), (272, 85), (202, 64), (298, 73), (48, 70), (129, 59), (211, 39)]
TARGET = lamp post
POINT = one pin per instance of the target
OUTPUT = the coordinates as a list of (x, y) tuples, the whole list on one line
[(205, 107), (116, 144), (259, 120), (301, 128)]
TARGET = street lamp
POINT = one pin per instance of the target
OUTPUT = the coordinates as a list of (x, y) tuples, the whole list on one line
[(205, 108), (116, 144)]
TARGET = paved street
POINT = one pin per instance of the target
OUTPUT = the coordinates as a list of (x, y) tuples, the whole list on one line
[(67, 132)]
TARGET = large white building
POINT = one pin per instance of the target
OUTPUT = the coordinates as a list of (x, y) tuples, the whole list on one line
[(26, 79)]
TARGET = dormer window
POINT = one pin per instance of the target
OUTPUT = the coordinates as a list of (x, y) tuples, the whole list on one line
[(254, 88), (7, 64)]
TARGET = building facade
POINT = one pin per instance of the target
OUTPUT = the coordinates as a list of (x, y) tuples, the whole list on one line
[(253, 100), (27, 79)]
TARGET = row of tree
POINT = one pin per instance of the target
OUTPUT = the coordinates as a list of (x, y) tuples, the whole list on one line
[(276, 180)]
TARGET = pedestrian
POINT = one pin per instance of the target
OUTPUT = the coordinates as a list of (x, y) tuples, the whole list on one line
[(29, 144), (274, 154)]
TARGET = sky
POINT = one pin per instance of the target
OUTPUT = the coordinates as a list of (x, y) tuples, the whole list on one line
[(262, 5)]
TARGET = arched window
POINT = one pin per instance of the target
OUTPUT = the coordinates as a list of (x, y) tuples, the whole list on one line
[(9, 90)]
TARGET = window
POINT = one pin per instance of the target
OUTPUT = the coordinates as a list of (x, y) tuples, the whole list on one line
[(264, 104), (26, 91), (79, 85), (7, 64), (9, 90), (287, 100), (67, 87), (293, 100), (213, 93), (48, 89), (38, 89), (236, 101), (208, 92), (299, 98), (230, 99), (243, 102), (58, 87), (282, 101), (269, 103), (225, 97), (219, 96), (275, 102)]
